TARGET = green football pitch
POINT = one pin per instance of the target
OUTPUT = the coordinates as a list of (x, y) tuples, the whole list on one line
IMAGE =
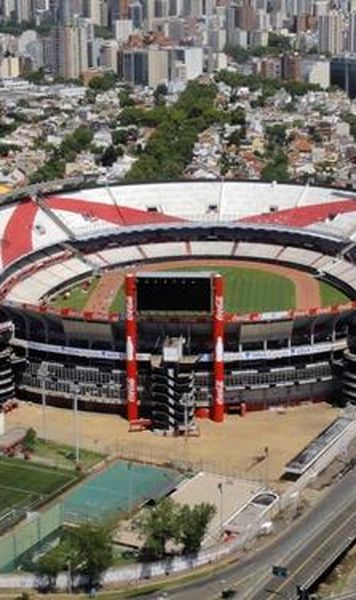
[(251, 289), (23, 484), (246, 290)]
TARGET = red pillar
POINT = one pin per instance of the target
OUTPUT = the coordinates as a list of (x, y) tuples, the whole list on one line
[(131, 344), (217, 407)]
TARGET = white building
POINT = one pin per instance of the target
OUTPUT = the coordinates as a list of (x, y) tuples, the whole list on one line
[(316, 71), (123, 29)]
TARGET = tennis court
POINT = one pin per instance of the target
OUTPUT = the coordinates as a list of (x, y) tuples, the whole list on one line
[(121, 488), (23, 483)]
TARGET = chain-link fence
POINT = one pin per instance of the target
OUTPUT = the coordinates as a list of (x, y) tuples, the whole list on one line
[(28, 535)]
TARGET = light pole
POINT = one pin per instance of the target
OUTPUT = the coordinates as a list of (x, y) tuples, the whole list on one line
[(220, 488), (75, 389), (43, 374), (267, 465), (129, 468), (187, 402)]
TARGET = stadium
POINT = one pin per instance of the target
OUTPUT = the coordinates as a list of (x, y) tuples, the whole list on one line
[(114, 296)]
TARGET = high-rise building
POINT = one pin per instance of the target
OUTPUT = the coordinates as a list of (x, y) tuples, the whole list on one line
[(343, 73), (292, 67), (108, 55), (331, 33), (123, 28), (96, 11), (10, 67), (351, 37), (8, 8), (69, 51), (158, 66), (68, 10), (134, 65), (23, 10), (316, 71), (135, 11)]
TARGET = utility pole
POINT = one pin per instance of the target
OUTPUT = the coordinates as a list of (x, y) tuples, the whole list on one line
[(75, 389), (220, 488), (43, 375)]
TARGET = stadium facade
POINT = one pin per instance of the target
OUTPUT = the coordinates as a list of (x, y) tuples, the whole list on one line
[(110, 361)]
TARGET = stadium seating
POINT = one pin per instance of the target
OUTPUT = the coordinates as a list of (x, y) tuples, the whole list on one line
[(115, 256), (162, 250), (29, 225), (215, 248), (243, 249), (299, 256)]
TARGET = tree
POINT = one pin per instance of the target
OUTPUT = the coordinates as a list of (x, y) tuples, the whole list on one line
[(125, 97), (238, 117), (159, 525), (170, 148), (235, 139), (160, 94), (91, 549), (194, 523), (52, 169), (29, 442), (110, 155), (50, 564), (103, 83), (277, 134), (120, 136), (78, 141), (277, 169), (282, 42), (37, 77), (181, 524)]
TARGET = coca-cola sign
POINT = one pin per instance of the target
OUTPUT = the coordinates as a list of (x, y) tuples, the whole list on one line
[(131, 390), (219, 392), (219, 308), (130, 313)]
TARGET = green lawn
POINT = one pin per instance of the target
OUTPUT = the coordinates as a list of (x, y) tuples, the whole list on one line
[(78, 296), (22, 482), (330, 295), (63, 456), (246, 290)]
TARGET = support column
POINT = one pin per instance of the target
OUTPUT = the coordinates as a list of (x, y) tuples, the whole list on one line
[(131, 344), (217, 407)]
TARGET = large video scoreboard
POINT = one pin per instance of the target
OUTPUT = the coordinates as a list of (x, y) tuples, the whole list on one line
[(174, 291)]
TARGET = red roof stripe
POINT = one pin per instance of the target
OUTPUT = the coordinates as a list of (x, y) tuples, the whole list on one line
[(17, 239), (121, 215), (304, 215)]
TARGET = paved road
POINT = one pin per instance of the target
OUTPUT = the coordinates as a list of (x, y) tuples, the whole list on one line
[(299, 549), (313, 558)]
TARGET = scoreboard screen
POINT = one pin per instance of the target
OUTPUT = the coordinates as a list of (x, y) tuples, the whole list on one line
[(174, 292)]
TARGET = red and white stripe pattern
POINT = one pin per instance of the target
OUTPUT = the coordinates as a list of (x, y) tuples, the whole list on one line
[(131, 346), (217, 408)]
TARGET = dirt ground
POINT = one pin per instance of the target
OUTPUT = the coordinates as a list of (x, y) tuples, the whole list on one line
[(236, 447), (104, 293)]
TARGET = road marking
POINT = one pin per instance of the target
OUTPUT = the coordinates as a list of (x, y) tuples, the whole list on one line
[(311, 556), (291, 555)]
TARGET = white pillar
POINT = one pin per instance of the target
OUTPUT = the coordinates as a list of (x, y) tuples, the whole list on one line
[(2, 422)]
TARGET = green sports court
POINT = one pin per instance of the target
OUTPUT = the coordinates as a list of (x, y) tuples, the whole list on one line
[(120, 488)]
